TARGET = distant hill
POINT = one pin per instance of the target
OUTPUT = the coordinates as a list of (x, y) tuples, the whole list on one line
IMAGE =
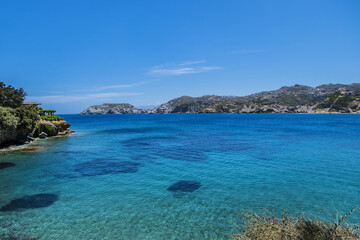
[(328, 98), (112, 108)]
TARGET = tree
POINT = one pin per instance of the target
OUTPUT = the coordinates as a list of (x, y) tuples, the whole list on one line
[(10, 96)]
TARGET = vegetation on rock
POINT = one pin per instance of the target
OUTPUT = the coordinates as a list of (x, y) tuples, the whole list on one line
[(13, 115), (255, 227), (18, 120), (51, 118)]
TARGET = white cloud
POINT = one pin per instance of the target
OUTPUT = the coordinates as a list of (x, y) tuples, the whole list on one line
[(186, 63), (175, 69), (95, 89), (77, 98)]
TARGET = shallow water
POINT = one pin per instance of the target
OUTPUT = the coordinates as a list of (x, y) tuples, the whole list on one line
[(180, 176)]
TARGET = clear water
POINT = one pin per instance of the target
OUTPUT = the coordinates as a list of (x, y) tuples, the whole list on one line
[(110, 180)]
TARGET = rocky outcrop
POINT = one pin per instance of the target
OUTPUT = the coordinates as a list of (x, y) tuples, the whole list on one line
[(329, 98), (44, 129), (47, 127), (54, 128), (14, 135), (63, 128), (114, 108), (43, 135)]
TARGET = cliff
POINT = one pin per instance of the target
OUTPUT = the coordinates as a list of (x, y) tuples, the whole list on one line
[(21, 122), (19, 135), (23, 125), (328, 98)]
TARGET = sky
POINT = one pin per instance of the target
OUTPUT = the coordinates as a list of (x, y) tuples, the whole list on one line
[(69, 55)]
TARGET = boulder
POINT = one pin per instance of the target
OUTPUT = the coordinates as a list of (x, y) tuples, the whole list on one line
[(30, 137), (42, 135)]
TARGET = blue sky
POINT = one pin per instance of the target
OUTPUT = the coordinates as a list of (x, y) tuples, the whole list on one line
[(72, 54)]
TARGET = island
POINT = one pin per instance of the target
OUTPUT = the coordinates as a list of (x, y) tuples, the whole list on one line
[(323, 99)]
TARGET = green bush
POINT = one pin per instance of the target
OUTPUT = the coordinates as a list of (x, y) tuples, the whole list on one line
[(18, 118), (292, 228), (8, 118), (48, 128), (51, 118)]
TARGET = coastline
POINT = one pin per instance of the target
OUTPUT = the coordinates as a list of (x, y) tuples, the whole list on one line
[(252, 113), (32, 146)]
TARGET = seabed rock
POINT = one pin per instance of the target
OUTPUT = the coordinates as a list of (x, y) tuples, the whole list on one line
[(6, 165), (106, 166), (30, 202), (184, 186)]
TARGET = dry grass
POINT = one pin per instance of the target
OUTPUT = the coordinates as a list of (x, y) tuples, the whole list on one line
[(268, 227)]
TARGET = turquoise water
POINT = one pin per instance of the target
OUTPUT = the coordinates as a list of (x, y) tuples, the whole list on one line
[(118, 176)]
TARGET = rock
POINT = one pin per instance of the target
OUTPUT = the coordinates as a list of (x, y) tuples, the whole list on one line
[(184, 186), (30, 202), (6, 165), (42, 135), (30, 137), (48, 127), (62, 126)]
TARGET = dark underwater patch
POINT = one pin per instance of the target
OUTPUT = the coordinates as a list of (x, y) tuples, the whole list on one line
[(183, 153), (186, 147), (143, 158), (6, 165), (136, 130), (184, 186), (106, 166), (31, 202), (144, 142)]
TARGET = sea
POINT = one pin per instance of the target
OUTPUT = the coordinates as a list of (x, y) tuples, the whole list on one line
[(179, 176)]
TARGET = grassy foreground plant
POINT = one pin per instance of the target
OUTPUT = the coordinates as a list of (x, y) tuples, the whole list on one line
[(268, 227)]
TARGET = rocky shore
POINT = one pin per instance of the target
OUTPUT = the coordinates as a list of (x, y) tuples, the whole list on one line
[(10, 138)]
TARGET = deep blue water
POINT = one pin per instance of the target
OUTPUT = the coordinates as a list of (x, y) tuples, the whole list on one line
[(181, 176)]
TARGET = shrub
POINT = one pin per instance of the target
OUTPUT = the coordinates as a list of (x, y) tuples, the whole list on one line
[(28, 117), (292, 228), (51, 118), (8, 118), (18, 118), (48, 129)]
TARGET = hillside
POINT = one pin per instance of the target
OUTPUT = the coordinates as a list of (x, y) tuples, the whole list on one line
[(329, 98), (112, 108)]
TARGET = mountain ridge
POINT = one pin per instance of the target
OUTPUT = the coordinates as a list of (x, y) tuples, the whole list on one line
[(326, 98)]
